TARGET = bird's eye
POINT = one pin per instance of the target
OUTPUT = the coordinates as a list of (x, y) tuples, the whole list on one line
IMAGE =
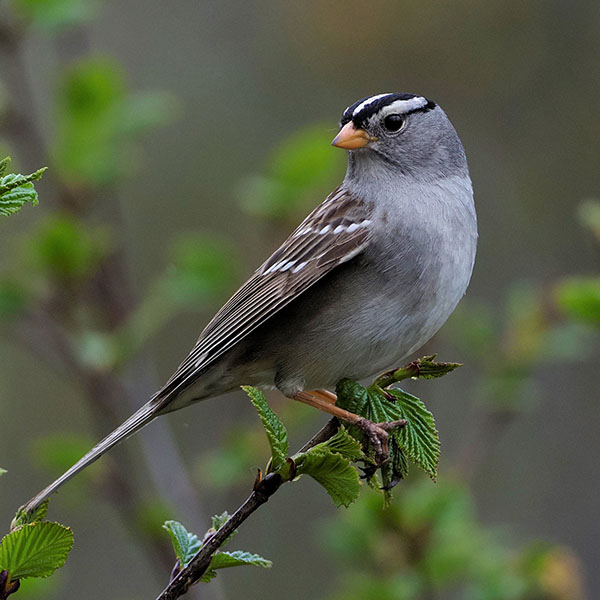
[(393, 122)]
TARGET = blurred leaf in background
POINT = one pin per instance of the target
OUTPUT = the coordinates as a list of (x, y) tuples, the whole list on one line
[(430, 544), (13, 298), (55, 15), (508, 346), (63, 248), (579, 299), (54, 453), (202, 270), (200, 273), (299, 172), (589, 216), (99, 121)]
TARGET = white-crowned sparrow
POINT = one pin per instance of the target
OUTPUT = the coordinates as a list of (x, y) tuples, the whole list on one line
[(365, 280)]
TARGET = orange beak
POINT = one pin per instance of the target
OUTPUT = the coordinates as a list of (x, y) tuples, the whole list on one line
[(351, 138)]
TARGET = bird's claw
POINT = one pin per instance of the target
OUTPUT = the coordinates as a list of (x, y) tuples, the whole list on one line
[(378, 436)]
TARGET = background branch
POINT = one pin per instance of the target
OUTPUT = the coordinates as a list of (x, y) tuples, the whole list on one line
[(50, 326)]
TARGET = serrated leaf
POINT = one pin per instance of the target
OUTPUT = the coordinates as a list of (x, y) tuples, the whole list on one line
[(11, 201), (333, 471), (276, 431), (13, 181), (23, 518), (419, 438), (185, 544), (393, 471), (16, 190), (422, 368), (237, 558), (366, 402), (343, 443), (35, 550), (218, 521), (429, 368)]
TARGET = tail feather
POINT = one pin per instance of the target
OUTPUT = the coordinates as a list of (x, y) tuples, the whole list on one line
[(134, 423)]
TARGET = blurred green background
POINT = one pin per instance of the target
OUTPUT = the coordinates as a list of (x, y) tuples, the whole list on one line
[(184, 141)]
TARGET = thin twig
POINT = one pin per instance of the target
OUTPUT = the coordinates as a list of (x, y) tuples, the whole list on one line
[(263, 490), (322, 435)]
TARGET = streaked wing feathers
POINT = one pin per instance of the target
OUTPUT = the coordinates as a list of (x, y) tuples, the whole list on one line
[(336, 231)]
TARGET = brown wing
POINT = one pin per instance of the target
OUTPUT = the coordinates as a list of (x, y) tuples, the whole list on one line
[(336, 231)]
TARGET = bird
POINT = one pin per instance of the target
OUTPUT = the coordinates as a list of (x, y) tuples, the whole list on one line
[(367, 278)]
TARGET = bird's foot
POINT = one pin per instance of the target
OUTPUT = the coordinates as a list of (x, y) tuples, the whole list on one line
[(378, 436)]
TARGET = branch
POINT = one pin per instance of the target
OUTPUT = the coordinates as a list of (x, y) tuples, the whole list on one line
[(263, 490)]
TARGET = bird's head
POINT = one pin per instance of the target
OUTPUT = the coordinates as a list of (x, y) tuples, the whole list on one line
[(403, 132)]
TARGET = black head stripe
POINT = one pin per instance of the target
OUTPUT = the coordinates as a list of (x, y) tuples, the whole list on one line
[(373, 104)]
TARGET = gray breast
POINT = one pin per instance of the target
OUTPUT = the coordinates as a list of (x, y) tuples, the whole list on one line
[(371, 313)]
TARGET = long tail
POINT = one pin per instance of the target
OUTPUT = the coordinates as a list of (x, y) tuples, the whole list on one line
[(140, 418)]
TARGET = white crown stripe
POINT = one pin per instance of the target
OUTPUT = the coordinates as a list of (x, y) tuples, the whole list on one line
[(404, 106), (368, 101)]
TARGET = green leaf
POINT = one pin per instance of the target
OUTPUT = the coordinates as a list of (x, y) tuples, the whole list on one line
[(329, 463), (4, 165), (579, 298), (422, 368), (35, 550), (39, 514), (343, 443), (218, 521), (185, 544), (369, 402), (276, 431), (16, 190), (333, 471), (237, 558), (419, 438), (2, 471), (12, 201), (224, 560), (393, 471)]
